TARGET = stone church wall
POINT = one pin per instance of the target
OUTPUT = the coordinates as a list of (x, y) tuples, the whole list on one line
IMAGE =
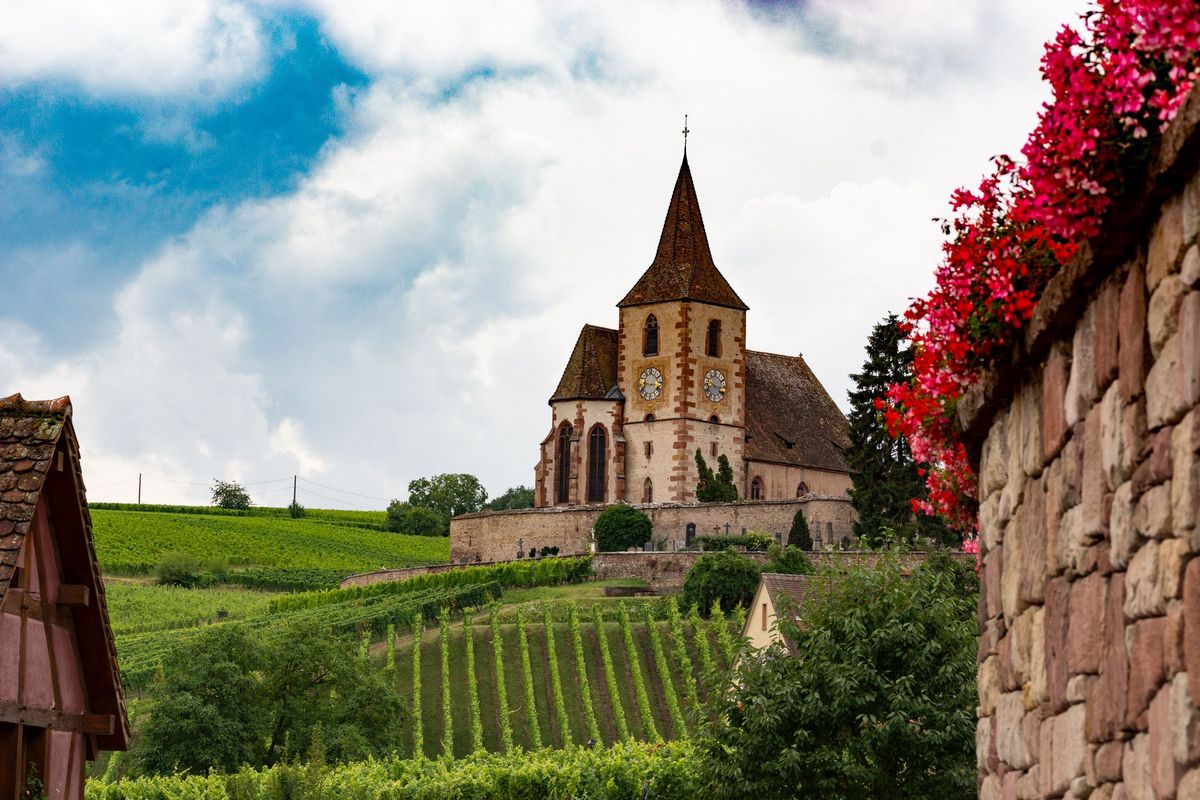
[(781, 480), (1089, 481), (497, 535)]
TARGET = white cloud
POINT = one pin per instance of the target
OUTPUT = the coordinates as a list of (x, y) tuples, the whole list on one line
[(155, 48), (408, 308)]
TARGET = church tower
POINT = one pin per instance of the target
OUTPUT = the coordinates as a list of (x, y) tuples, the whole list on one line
[(681, 361)]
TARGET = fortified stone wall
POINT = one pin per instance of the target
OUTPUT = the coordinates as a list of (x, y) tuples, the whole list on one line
[(1086, 450), (498, 535)]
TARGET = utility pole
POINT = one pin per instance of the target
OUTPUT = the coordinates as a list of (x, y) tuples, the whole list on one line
[(139, 488), (293, 490)]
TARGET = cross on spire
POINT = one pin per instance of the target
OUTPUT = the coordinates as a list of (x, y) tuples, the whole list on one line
[(685, 132)]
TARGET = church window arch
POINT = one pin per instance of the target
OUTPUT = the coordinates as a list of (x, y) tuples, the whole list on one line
[(712, 342), (650, 341), (648, 418), (802, 489), (648, 491), (714, 419), (756, 488), (597, 464), (562, 465)]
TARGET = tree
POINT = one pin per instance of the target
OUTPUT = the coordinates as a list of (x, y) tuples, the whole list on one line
[(416, 520), (515, 497), (788, 560), (230, 494), (718, 488), (229, 698), (886, 477), (449, 494), (620, 527), (799, 535), (725, 577), (895, 721)]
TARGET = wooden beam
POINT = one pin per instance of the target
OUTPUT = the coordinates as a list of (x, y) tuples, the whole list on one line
[(101, 724), (74, 594)]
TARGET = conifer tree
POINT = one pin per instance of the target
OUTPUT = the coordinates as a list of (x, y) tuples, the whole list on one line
[(886, 477), (718, 488), (800, 536)]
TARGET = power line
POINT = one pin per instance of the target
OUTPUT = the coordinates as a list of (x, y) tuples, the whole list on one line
[(345, 491), (339, 500)]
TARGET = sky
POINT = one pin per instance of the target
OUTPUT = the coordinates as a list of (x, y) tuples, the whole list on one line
[(356, 241)]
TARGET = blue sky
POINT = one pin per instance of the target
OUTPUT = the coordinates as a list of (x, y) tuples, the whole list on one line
[(357, 241)]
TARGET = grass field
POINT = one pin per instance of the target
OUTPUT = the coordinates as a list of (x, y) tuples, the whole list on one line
[(132, 542), (140, 607)]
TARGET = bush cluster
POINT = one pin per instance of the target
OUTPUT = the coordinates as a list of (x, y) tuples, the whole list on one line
[(725, 578), (620, 527)]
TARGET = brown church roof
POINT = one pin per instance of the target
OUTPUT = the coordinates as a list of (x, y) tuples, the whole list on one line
[(790, 418), (683, 267), (591, 372), (39, 455)]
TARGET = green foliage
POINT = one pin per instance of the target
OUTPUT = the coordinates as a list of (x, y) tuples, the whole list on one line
[(418, 727), (623, 772), (230, 494), (878, 702), (620, 527), (700, 636), (176, 568), (799, 535), (681, 654), (515, 497), (416, 520), (719, 488), (370, 520), (725, 641), (229, 697), (725, 578), (447, 715), (472, 688), (664, 676), (635, 672), (535, 732), (886, 477), (506, 733), (610, 678), (389, 655), (295, 510), (560, 701), (788, 560), (140, 607), (589, 713), (754, 541), (449, 494)]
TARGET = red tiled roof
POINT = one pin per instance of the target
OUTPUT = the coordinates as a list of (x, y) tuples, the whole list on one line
[(790, 418), (683, 267), (591, 371)]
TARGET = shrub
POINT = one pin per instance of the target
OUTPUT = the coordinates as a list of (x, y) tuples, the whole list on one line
[(416, 520), (789, 560), (229, 494), (753, 541), (725, 578), (620, 527), (295, 510), (799, 535), (177, 568)]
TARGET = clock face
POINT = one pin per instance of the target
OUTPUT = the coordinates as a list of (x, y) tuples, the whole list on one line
[(650, 383), (714, 385)]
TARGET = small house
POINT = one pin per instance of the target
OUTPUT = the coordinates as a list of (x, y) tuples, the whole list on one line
[(61, 702), (777, 592)]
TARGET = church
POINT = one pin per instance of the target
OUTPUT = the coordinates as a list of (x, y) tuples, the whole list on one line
[(675, 376)]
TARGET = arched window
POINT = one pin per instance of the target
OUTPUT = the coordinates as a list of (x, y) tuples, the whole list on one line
[(597, 464), (648, 491), (802, 489), (712, 343), (714, 419), (689, 533), (562, 466), (756, 489), (650, 344), (649, 418)]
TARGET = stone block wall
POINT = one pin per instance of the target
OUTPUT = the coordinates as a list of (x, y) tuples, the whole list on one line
[(497, 535), (1086, 450)]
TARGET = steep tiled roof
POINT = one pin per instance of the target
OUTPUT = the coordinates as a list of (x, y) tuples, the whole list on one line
[(591, 372), (790, 418), (683, 267), (791, 595)]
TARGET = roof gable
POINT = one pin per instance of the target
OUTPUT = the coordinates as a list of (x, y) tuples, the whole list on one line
[(591, 371), (683, 267), (790, 418)]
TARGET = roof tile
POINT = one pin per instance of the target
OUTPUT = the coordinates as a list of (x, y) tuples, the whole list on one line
[(591, 371), (790, 418)]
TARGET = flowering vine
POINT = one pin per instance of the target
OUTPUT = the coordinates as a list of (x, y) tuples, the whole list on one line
[(1116, 81)]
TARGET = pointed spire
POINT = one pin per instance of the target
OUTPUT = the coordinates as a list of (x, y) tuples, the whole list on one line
[(683, 267)]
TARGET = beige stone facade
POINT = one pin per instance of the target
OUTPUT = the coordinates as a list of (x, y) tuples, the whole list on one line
[(1088, 457)]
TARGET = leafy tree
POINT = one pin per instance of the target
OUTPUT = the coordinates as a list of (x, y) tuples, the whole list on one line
[(229, 494), (228, 698), (449, 494), (515, 497), (877, 702), (416, 520), (788, 560), (886, 477), (799, 535), (620, 527), (726, 578), (719, 488)]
